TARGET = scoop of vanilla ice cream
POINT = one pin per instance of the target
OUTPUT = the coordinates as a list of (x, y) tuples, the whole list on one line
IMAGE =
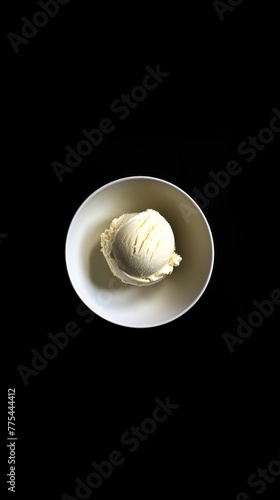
[(140, 248)]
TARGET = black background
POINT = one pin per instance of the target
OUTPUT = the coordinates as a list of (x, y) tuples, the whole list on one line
[(222, 87)]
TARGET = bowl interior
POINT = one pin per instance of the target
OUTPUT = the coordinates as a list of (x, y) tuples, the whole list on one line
[(133, 306)]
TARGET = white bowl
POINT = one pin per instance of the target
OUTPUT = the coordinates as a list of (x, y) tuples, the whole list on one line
[(128, 305)]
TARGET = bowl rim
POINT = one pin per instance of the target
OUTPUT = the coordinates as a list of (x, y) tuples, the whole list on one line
[(174, 186)]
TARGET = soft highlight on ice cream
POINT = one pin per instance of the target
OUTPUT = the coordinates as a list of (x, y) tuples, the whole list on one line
[(140, 248)]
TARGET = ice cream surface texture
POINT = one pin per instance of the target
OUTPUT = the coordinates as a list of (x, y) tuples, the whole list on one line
[(140, 248)]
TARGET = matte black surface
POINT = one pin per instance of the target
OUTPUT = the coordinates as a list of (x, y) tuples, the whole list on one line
[(220, 86)]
